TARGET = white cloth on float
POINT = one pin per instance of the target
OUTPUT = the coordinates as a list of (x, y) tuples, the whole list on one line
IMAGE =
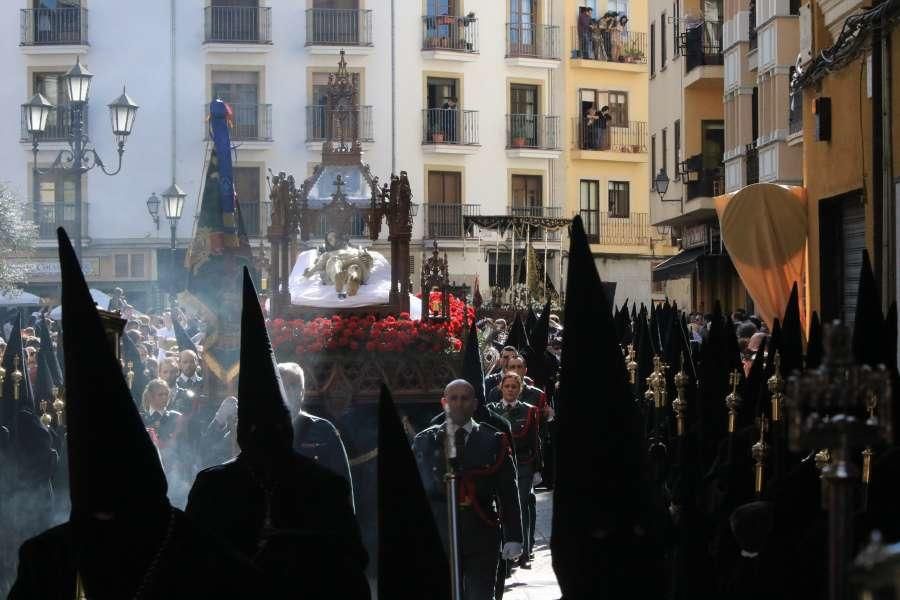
[(311, 292)]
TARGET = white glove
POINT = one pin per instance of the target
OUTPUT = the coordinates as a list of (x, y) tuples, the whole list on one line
[(537, 479), (227, 411), (511, 551)]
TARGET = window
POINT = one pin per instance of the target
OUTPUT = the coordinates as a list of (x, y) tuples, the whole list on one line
[(653, 163), (618, 108), (652, 49), (662, 41), (527, 191), (240, 89), (55, 204), (590, 208), (444, 204), (137, 265), (676, 133), (524, 111), (321, 124), (52, 86), (619, 203), (659, 287), (664, 150), (676, 18), (121, 265), (619, 6), (246, 189)]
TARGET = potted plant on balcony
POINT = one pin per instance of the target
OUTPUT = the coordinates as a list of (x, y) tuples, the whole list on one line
[(437, 135), (518, 135)]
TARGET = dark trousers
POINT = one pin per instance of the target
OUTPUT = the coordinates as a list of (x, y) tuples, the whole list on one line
[(526, 493), (479, 556)]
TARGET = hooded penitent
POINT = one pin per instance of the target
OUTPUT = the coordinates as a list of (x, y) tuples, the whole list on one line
[(406, 526), (535, 354), (603, 514), (47, 347), (113, 465), (264, 422), (530, 322), (814, 349), (868, 324), (518, 338), (792, 336)]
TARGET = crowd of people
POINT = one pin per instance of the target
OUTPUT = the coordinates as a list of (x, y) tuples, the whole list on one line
[(602, 37)]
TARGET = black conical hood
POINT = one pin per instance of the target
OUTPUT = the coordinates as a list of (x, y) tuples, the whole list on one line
[(406, 526), (132, 357), (530, 322), (889, 353), (51, 358), (598, 489), (868, 323), (184, 340), (792, 336), (43, 384), (815, 349), (113, 465), (261, 395), (536, 353), (14, 349), (518, 338)]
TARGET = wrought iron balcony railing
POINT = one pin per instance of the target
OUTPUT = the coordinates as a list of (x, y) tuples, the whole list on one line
[(795, 113), (49, 216), (446, 220), (532, 131), (59, 125), (323, 123), (531, 40), (709, 184), (237, 24), (611, 46), (633, 230), (338, 27), (450, 126), (630, 138), (252, 122), (703, 45), (751, 155), (53, 26), (444, 32)]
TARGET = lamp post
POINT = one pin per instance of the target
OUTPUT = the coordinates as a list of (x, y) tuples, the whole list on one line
[(80, 157), (661, 184), (173, 205), (153, 208)]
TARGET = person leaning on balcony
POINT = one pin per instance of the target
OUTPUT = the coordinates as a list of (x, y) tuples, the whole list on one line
[(584, 31), (591, 128), (449, 121), (620, 37), (603, 128)]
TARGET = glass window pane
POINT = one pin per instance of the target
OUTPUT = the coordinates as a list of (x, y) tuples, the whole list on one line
[(121, 265)]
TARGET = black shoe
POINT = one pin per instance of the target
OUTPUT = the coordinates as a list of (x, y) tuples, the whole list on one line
[(524, 563), (531, 556)]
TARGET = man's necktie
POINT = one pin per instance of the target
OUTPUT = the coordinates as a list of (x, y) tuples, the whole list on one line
[(460, 441)]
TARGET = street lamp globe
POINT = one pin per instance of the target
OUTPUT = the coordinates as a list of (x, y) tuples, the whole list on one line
[(173, 203), (153, 208), (122, 112), (78, 82), (36, 112), (661, 183)]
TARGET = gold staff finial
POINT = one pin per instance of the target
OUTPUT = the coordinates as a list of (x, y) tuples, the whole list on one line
[(656, 384), (2, 379), (16, 377), (46, 418), (129, 376), (733, 400), (776, 386), (631, 364), (867, 454), (760, 452), (58, 405), (679, 405)]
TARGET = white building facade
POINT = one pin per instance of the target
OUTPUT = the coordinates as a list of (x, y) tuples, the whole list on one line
[(496, 153)]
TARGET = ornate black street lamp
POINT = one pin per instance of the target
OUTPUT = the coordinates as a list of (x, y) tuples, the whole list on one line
[(173, 205), (80, 157)]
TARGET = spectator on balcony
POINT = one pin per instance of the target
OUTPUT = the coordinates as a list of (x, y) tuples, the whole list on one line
[(603, 128), (619, 38), (584, 31), (592, 128), (450, 110)]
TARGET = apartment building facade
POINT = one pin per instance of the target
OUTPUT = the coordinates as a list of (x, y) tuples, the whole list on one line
[(476, 101), (688, 142)]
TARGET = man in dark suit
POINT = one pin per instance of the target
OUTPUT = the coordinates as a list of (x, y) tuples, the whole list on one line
[(487, 483), (290, 516)]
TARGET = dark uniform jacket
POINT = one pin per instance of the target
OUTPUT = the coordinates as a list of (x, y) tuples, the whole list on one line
[(525, 419), (488, 491), (530, 394), (164, 424), (309, 541), (192, 565), (317, 439), (492, 382)]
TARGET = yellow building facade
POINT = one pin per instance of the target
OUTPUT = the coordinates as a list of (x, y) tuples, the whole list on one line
[(606, 163)]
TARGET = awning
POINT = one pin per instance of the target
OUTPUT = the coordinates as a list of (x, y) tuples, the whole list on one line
[(678, 266)]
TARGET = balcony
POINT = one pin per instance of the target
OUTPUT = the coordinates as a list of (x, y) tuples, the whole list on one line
[(622, 51), (709, 183), (237, 25), (449, 131), (633, 230), (53, 27), (795, 113), (752, 26), (251, 122), (703, 54), (329, 30), (536, 233), (446, 37), (532, 45), (625, 142), (446, 220), (61, 214), (59, 125), (323, 123), (751, 155), (532, 136)]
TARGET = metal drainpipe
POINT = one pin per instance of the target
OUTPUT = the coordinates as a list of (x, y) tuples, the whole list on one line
[(888, 207), (393, 87), (172, 56)]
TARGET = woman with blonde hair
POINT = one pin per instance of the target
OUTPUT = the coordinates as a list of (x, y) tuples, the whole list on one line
[(165, 423)]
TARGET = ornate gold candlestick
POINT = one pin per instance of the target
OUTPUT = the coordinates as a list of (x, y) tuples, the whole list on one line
[(129, 375), (631, 364), (776, 386), (760, 452), (58, 406), (2, 379), (46, 418), (679, 405), (733, 400), (16, 378)]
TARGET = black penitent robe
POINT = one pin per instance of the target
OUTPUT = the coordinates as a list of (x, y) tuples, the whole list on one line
[(113, 559), (312, 545)]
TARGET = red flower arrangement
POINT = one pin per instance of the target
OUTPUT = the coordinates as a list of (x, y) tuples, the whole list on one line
[(366, 333)]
